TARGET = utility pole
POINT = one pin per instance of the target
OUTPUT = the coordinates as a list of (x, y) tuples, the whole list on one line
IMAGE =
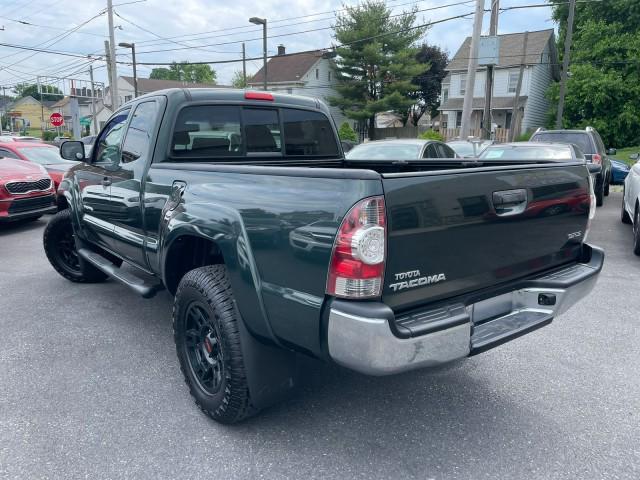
[(467, 106), (488, 84), (4, 109), (263, 22), (515, 114), (93, 101), (244, 67), (115, 99), (107, 56), (565, 62)]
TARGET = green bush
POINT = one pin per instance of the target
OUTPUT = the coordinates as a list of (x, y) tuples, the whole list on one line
[(431, 135), (48, 136), (347, 133), (523, 137)]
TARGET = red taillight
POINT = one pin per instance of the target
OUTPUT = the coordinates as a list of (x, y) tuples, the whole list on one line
[(596, 158), (357, 260), (258, 96)]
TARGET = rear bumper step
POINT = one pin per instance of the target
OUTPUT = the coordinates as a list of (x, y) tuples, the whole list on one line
[(132, 281), (359, 334)]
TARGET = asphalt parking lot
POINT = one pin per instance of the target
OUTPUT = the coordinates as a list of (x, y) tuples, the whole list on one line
[(90, 388)]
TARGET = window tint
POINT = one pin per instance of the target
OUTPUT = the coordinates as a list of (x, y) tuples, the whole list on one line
[(578, 138), (108, 143), (7, 154), (207, 131), (445, 151), (136, 143), (430, 151), (308, 133), (261, 130)]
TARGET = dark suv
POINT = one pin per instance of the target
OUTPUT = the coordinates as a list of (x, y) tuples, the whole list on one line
[(591, 144)]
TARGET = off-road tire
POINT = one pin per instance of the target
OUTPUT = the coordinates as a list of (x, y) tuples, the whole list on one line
[(209, 289), (59, 232), (624, 216)]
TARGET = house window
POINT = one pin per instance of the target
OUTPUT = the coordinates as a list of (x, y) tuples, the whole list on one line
[(507, 121), (513, 81), (463, 83), (317, 73), (289, 90), (127, 98), (329, 75), (445, 94), (458, 119)]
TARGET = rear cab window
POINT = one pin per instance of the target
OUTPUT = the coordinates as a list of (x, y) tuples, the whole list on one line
[(580, 139), (228, 133)]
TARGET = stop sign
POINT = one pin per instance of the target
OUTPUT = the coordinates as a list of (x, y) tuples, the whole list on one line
[(56, 119)]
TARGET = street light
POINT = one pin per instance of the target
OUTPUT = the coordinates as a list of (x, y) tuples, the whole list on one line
[(263, 22), (132, 46)]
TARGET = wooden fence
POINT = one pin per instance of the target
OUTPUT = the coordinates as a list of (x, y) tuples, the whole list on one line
[(501, 134)]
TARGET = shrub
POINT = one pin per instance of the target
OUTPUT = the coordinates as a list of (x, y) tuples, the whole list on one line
[(523, 137), (347, 133), (431, 135), (48, 136)]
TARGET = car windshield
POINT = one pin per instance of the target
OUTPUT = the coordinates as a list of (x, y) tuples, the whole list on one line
[(464, 149), (580, 139), (42, 155), (385, 151), (543, 152)]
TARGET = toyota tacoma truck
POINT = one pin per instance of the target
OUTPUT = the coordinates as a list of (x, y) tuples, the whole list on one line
[(242, 206)]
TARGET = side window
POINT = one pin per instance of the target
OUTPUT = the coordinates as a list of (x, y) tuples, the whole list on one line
[(107, 146), (207, 131), (7, 154), (262, 130), (430, 151), (308, 133), (136, 142), (445, 151), (599, 143)]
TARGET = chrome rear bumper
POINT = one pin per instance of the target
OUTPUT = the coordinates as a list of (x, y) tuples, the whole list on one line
[(360, 337)]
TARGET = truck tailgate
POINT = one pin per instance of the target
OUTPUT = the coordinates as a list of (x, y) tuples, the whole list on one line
[(453, 232)]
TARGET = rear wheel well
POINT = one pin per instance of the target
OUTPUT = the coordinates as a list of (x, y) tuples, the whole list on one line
[(186, 253)]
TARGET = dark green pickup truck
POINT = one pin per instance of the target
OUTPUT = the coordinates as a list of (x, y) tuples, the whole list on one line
[(242, 205)]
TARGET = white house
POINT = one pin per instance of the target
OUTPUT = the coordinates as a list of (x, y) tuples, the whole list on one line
[(541, 68), (310, 74)]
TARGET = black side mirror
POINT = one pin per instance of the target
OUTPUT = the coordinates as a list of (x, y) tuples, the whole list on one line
[(612, 151), (594, 168), (72, 150)]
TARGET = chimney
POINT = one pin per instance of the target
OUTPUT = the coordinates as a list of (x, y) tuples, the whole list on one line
[(281, 50)]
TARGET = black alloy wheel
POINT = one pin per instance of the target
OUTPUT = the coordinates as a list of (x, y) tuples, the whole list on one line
[(203, 347)]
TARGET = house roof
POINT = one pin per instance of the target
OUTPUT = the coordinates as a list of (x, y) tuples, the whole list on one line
[(510, 50), (290, 67), (64, 101), (147, 85), (497, 103)]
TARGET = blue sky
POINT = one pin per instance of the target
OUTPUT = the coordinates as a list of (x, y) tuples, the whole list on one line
[(208, 24)]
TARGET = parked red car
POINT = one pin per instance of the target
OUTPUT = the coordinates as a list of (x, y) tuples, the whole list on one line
[(26, 190), (37, 152)]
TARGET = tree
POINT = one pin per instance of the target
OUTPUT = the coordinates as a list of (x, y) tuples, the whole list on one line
[(376, 63), (345, 132), (603, 88), (429, 82), (238, 80), (185, 72), (31, 89)]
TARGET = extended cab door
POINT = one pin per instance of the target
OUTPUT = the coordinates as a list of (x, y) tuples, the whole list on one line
[(94, 182), (126, 210)]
